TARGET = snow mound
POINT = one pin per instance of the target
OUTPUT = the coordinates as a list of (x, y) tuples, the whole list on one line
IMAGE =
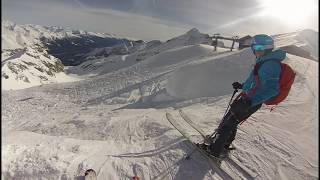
[(301, 43), (311, 39), (176, 55)]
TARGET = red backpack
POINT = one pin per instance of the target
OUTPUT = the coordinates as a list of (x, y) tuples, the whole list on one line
[(286, 80)]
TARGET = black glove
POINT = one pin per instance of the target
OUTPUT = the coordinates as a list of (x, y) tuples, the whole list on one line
[(239, 107), (237, 85)]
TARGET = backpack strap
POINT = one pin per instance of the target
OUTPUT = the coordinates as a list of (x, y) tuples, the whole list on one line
[(258, 65), (256, 75)]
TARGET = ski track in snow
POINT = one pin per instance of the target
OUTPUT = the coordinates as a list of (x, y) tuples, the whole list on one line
[(115, 123)]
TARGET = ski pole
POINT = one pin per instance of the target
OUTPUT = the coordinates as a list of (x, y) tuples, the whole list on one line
[(234, 92)]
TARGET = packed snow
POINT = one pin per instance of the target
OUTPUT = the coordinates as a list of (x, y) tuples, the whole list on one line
[(113, 120)]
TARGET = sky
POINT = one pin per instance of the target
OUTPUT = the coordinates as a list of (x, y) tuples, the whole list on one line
[(164, 19)]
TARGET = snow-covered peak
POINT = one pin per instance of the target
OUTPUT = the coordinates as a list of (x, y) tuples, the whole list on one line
[(193, 31), (16, 36), (23, 68), (7, 23), (191, 37)]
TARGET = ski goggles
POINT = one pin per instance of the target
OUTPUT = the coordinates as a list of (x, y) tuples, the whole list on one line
[(259, 47)]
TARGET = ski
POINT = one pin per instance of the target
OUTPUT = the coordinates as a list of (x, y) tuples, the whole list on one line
[(192, 124), (227, 159), (207, 138), (215, 162)]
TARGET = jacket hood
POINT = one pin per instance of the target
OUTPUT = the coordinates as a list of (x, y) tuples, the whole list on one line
[(278, 55)]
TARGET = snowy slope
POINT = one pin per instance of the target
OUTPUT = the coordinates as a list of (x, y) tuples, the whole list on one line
[(114, 119), (98, 61), (115, 123), (182, 54), (181, 48)]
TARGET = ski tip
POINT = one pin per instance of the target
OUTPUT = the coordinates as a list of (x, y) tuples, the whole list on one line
[(89, 171), (90, 174)]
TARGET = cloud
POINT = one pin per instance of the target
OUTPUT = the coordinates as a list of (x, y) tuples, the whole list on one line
[(81, 16), (80, 4), (149, 19)]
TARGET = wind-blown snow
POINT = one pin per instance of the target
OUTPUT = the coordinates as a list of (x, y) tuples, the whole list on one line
[(301, 43), (114, 122), (204, 78)]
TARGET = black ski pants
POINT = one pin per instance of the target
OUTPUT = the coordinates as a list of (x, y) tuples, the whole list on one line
[(227, 129)]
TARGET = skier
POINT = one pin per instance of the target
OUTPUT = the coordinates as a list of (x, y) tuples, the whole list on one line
[(254, 93)]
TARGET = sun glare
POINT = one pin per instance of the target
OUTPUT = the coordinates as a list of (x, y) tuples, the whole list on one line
[(292, 12)]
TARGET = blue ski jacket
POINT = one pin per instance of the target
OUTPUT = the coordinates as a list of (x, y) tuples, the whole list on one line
[(269, 75)]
